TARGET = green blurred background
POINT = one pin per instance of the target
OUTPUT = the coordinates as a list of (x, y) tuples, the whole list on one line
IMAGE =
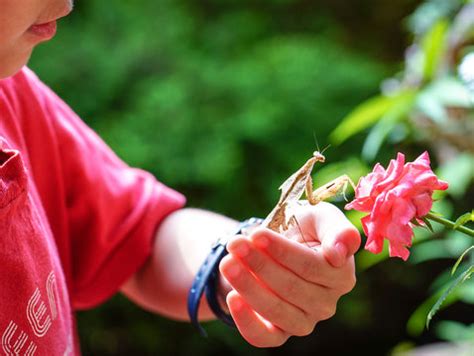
[(222, 100)]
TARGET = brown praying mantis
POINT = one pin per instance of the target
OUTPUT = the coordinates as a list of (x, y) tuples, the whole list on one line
[(292, 189)]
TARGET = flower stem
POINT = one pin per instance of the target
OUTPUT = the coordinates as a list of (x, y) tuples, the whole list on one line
[(449, 224)]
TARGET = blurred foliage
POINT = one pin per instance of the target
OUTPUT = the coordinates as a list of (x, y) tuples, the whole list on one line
[(221, 100), (432, 102), (202, 96)]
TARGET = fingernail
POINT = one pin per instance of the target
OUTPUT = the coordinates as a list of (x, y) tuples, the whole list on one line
[(261, 241)]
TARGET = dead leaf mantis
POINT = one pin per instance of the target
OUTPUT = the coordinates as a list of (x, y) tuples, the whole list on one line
[(292, 189)]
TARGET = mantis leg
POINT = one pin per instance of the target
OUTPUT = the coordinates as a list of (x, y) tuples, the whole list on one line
[(309, 191), (331, 189)]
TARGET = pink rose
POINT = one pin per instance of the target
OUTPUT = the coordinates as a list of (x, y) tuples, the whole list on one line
[(394, 197)]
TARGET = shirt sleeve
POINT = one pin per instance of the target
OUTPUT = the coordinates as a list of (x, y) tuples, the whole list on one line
[(112, 209)]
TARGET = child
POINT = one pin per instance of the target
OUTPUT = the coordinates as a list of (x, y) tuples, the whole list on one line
[(77, 225)]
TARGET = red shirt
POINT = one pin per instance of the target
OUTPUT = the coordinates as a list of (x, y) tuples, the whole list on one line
[(75, 221)]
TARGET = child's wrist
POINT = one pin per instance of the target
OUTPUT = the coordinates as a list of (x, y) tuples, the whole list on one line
[(209, 281)]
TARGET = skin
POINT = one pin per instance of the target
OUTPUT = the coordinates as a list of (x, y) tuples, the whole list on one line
[(274, 286), (16, 18)]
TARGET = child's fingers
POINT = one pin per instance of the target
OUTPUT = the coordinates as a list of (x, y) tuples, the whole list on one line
[(252, 327), (326, 225), (279, 312), (307, 263), (338, 245), (338, 237), (286, 284)]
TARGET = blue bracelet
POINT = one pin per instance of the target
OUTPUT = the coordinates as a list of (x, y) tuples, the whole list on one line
[(207, 280)]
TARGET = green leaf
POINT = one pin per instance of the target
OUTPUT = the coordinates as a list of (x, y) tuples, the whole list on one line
[(455, 332), (417, 321), (428, 224), (436, 97), (376, 137), (431, 248), (466, 294), (463, 219), (415, 222), (445, 278), (460, 279), (365, 115), (433, 44), (386, 125), (361, 117), (426, 14), (459, 173), (456, 265), (402, 348), (436, 213)]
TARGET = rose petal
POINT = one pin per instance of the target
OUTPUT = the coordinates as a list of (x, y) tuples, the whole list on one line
[(395, 250), (423, 203), (393, 198)]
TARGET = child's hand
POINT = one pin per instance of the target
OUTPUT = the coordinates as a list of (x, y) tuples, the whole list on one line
[(282, 287)]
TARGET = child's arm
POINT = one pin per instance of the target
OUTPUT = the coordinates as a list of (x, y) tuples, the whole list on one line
[(182, 242), (287, 283)]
